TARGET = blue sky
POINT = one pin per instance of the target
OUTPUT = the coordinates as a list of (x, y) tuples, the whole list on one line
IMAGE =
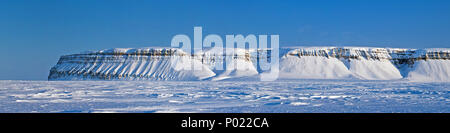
[(34, 33)]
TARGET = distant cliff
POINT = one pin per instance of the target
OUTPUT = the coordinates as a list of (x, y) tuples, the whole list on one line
[(295, 63)]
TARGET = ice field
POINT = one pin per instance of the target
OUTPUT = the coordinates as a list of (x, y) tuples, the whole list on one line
[(224, 96)]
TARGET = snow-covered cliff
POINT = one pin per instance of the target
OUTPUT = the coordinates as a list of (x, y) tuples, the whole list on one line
[(295, 63)]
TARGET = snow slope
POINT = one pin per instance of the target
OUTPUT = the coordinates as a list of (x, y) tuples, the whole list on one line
[(312, 67), (430, 70), (373, 69)]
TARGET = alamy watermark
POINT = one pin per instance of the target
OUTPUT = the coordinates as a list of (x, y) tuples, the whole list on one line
[(234, 46)]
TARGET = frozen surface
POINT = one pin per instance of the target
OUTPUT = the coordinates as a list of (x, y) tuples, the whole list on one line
[(224, 96)]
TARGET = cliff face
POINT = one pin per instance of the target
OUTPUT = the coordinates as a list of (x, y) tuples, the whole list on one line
[(399, 56), (295, 63)]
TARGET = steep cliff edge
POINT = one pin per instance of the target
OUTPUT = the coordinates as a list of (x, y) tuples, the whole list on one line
[(295, 63)]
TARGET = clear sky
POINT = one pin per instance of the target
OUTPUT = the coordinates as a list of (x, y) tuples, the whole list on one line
[(34, 33)]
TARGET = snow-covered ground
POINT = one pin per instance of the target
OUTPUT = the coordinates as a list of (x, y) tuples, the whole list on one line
[(224, 96)]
